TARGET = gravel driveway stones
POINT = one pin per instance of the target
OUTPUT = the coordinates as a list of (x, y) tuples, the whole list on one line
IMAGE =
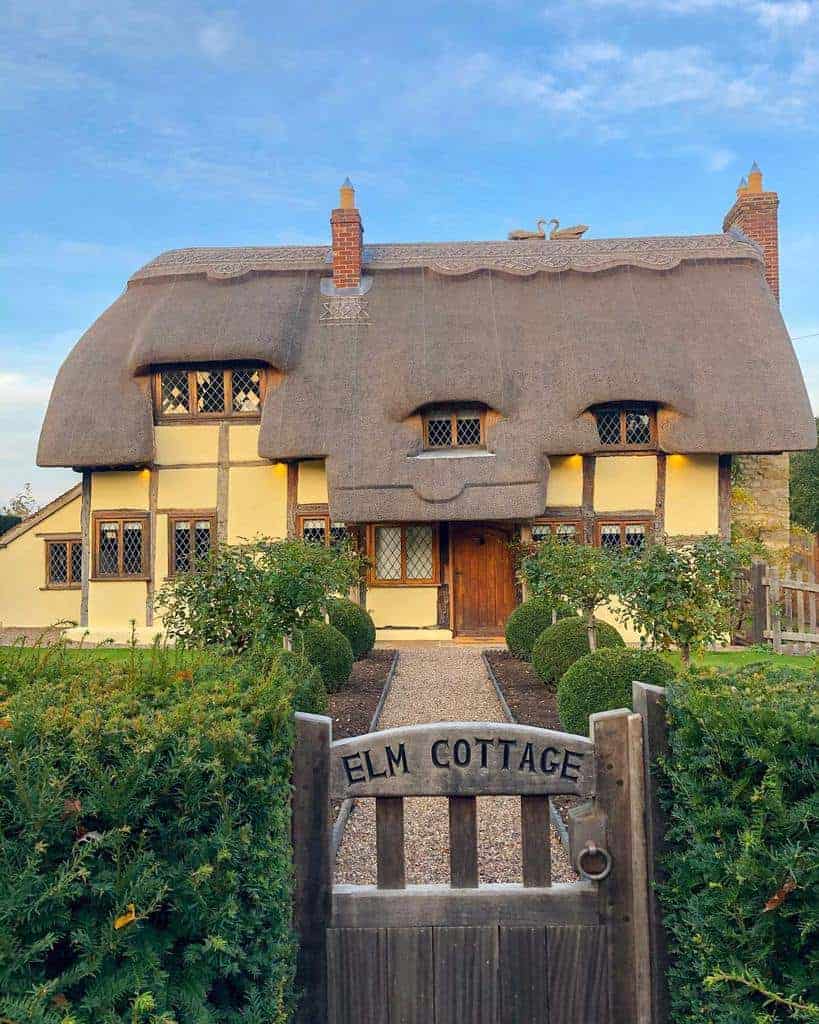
[(432, 684)]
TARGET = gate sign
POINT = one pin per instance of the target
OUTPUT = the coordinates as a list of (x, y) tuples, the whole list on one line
[(462, 759)]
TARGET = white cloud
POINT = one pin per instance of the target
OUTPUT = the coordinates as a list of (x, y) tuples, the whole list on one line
[(18, 391), (770, 14), (719, 159), (217, 39), (783, 15)]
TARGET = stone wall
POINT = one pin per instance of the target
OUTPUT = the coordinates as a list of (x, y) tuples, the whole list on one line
[(765, 479)]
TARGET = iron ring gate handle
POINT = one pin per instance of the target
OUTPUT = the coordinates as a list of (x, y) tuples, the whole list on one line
[(592, 850)]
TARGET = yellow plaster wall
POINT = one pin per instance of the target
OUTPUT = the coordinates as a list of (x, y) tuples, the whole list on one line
[(113, 603), (403, 606), (120, 489), (257, 502), (312, 488), (185, 445), (625, 482), (692, 494), (565, 486), (187, 488), (244, 442), (23, 602)]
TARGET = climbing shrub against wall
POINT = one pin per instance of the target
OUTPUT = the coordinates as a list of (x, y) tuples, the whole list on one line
[(741, 902), (145, 863)]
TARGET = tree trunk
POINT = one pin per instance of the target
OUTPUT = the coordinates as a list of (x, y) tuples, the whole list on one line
[(685, 653), (592, 629)]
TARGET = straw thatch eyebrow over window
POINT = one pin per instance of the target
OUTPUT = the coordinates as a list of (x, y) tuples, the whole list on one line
[(211, 391), (454, 427), (626, 425)]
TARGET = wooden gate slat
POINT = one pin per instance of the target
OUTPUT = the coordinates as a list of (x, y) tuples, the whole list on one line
[(463, 842), (578, 996), (357, 975), (389, 827), (410, 975), (523, 970), (535, 842), (466, 975)]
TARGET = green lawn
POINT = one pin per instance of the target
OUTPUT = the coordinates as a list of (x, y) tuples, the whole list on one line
[(733, 659)]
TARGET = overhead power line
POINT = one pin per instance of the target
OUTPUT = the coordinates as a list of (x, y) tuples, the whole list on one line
[(801, 337)]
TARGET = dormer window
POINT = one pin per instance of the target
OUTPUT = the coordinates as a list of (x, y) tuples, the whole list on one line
[(208, 392), (627, 425), (454, 427)]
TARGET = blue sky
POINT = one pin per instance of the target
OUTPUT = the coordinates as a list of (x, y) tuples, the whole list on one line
[(133, 127)]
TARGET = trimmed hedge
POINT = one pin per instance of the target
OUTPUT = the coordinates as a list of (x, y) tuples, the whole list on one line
[(602, 681), (355, 623), (145, 861), (329, 650), (741, 900), (560, 646), (528, 621)]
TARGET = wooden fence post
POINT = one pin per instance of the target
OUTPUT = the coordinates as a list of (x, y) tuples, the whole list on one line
[(649, 703), (312, 862), (774, 599), (759, 620), (618, 746)]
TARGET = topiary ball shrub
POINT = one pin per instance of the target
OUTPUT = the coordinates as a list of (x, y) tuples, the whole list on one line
[(355, 623), (528, 621), (329, 650), (601, 681), (558, 647)]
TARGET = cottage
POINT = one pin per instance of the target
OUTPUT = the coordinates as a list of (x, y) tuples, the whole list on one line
[(431, 401)]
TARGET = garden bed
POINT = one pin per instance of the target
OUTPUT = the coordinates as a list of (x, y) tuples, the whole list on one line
[(352, 708)]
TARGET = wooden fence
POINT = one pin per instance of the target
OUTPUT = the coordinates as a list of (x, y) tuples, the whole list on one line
[(781, 609)]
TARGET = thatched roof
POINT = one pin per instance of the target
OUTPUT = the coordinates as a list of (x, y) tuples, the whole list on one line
[(538, 331)]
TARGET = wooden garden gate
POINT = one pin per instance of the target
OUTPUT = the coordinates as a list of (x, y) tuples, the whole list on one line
[(531, 953)]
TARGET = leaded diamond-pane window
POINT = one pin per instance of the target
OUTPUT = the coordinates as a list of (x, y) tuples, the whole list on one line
[(608, 426), (388, 552), (175, 393), (210, 391), (635, 536), (625, 426), (469, 431), (314, 531), (132, 549), (75, 561), (566, 532), (339, 535), (439, 433), (202, 540), (181, 546), (108, 560), (638, 428), (247, 390), (58, 563), (419, 553), (64, 562), (541, 532), (610, 537)]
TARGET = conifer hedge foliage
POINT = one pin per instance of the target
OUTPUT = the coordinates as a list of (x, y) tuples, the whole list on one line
[(741, 901), (145, 864)]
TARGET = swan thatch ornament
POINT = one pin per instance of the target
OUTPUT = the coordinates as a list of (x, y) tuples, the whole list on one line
[(575, 231), (522, 235)]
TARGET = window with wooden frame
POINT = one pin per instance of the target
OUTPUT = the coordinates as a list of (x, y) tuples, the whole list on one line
[(627, 425), (560, 528), (454, 427), (120, 545), (191, 538), (208, 392), (403, 554), (623, 536), (319, 529), (63, 560)]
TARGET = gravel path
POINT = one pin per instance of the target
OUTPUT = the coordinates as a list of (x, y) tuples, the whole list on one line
[(435, 684)]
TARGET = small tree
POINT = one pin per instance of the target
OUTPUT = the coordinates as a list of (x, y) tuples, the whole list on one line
[(23, 504), (260, 592), (681, 596), (582, 576)]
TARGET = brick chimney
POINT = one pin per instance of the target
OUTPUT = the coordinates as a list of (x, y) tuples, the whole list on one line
[(755, 213), (348, 239)]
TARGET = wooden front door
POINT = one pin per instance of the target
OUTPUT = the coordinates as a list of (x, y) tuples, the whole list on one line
[(483, 578)]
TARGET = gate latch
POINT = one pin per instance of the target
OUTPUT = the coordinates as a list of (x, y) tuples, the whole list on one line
[(594, 862)]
